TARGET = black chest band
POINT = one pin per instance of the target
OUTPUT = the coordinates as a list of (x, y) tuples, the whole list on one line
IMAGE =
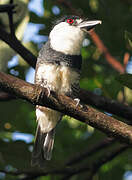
[(51, 56)]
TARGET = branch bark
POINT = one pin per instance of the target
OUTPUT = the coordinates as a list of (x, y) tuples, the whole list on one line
[(39, 96), (87, 97), (108, 105)]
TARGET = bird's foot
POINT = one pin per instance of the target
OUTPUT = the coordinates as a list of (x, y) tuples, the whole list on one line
[(46, 85), (49, 89), (77, 100)]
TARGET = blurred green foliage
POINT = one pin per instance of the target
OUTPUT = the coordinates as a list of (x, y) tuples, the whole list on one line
[(97, 75), (126, 80)]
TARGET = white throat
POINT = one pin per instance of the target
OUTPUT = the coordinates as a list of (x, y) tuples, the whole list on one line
[(66, 39)]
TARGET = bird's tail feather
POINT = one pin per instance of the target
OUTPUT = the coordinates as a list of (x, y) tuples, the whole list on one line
[(48, 145), (42, 147)]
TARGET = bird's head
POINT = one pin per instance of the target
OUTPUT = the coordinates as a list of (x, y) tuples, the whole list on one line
[(69, 32)]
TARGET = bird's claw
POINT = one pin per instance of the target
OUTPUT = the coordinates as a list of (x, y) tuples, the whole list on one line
[(48, 88), (77, 101)]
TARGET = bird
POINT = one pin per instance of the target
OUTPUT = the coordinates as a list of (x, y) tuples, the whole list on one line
[(58, 69)]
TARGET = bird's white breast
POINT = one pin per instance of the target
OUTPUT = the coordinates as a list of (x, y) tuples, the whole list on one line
[(57, 78)]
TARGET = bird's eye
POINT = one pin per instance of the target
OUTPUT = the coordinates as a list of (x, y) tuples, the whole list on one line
[(70, 21)]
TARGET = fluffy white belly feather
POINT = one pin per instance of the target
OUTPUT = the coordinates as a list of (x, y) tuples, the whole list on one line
[(57, 78)]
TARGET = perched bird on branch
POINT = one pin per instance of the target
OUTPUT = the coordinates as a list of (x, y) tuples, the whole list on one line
[(58, 69)]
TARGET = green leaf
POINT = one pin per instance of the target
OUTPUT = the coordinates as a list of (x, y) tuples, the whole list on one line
[(128, 37), (125, 79)]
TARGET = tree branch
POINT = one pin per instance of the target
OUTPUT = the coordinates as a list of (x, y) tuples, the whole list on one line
[(10, 16), (87, 97), (15, 44), (110, 59), (108, 105), (39, 96)]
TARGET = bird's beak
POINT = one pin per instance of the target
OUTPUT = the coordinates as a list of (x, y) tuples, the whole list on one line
[(88, 25)]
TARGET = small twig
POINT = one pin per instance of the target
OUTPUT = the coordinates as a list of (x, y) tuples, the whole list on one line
[(125, 62), (126, 59), (111, 60), (10, 16)]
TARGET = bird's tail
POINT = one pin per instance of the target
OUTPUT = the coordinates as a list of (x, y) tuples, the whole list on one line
[(42, 147)]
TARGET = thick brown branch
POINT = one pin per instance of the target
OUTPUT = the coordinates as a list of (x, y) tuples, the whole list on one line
[(38, 96), (87, 97)]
